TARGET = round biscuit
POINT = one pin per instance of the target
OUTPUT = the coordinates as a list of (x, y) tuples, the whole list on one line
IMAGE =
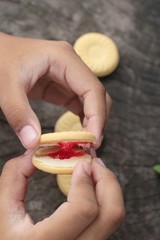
[(57, 166), (64, 182), (98, 52), (68, 122), (80, 136)]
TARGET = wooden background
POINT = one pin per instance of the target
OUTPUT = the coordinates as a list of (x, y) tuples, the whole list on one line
[(132, 141)]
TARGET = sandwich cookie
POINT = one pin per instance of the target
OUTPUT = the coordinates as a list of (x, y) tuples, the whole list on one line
[(67, 122), (59, 152), (98, 52)]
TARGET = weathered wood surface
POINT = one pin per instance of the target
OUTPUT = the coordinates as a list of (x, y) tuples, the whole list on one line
[(132, 142)]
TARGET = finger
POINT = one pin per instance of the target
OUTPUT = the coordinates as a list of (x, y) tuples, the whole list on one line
[(71, 71), (16, 108), (108, 110), (72, 217), (13, 186), (92, 94), (110, 201), (109, 104), (55, 93)]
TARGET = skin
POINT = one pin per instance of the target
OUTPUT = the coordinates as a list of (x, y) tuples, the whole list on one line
[(45, 70), (94, 205)]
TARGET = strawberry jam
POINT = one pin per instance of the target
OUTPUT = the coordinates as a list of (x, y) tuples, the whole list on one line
[(69, 149)]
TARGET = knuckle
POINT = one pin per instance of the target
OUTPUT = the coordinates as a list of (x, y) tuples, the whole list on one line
[(88, 210), (14, 116), (9, 165), (66, 45), (118, 215), (109, 175), (109, 99), (101, 88)]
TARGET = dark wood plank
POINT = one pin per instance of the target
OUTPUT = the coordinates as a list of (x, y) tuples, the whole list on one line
[(131, 144)]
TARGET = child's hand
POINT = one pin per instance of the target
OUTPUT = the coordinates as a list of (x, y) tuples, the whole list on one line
[(91, 212), (52, 71)]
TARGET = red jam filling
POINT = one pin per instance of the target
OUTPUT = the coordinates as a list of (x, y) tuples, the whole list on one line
[(69, 149)]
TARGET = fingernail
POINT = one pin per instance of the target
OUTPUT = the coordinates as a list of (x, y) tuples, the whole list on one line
[(102, 137), (27, 136), (93, 153), (87, 168), (99, 161), (99, 142)]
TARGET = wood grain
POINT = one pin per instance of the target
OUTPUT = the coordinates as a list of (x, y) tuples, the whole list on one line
[(131, 144)]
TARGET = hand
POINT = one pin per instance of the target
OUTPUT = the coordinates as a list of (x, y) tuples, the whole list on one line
[(93, 211), (52, 71)]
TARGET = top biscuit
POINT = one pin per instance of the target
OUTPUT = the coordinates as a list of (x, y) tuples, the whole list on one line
[(67, 136)]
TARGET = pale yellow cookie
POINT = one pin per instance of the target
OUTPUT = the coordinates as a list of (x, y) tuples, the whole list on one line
[(98, 52), (66, 136), (59, 152), (68, 122), (64, 182)]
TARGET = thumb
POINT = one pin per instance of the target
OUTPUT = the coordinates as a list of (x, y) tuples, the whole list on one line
[(76, 214), (16, 108)]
